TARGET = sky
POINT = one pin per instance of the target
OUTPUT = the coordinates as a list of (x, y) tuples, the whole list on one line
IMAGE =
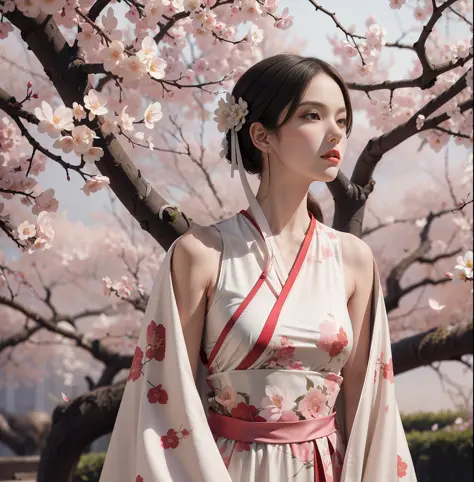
[(419, 389)]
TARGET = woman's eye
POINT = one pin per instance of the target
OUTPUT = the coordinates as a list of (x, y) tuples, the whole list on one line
[(314, 115), (342, 122)]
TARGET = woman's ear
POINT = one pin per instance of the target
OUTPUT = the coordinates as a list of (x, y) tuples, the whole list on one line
[(259, 136)]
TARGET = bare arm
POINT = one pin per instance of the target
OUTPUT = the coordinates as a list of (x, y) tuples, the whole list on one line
[(358, 256), (194, 270)]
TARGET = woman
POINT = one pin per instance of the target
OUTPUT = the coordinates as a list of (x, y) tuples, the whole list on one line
[(287, 314)]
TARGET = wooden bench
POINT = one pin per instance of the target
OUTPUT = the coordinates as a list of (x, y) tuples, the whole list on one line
[(13, 469)]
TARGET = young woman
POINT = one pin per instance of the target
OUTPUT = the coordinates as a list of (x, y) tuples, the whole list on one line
[(285, 313)]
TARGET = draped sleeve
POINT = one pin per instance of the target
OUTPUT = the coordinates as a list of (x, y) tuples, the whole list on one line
[(377, 448), (161, 432)]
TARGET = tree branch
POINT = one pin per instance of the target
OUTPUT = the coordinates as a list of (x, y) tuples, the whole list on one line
[(437, 344), (50, 47)]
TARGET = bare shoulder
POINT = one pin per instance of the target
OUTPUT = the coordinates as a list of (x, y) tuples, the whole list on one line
[(356, 252), (198, 247)]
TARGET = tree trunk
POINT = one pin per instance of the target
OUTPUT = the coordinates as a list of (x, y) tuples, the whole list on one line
[(76, 426)]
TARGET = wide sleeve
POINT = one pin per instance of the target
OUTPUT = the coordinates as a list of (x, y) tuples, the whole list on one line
[(161, 433), (377, 449)]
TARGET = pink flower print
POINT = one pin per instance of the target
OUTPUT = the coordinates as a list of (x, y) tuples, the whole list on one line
[(155, 338), (242, 446), (227, 398), (332, 235), (334, 377), (276, 401), (272, 362), (387, 371), (288, 416), (333, 338), (313, 404), (284, 355), (302, 451), (401, 467), (340, 344), (296, 365), (157, 395), (284, 341), (137, 363), (326, 253)]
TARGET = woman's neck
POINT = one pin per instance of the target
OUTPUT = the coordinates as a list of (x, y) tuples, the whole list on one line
[(285, 208)]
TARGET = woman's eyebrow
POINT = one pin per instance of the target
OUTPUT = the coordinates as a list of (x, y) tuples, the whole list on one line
[(320, 105)]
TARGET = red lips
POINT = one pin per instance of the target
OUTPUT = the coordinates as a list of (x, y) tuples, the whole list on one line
[(333, 153)]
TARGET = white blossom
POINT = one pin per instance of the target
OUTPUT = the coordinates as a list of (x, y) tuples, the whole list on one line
[(156, 68), (95, 184), (26, 230), (152, 114), (132, 68), (44, 233), (112, 55), (109, 125), (420, 122), (95, 103), (148, 51), (230, 114), (29, 8), (87, 38), (93, 154), (52, 123), (154, 10), (83, 137), (397, 4), (78, 111), (65, 143), (125, 120), (50, 7)]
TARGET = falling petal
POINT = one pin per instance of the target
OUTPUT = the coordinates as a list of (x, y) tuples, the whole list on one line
[(435, 305)]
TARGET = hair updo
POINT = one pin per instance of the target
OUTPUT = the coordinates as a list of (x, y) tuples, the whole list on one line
[(269, 87)]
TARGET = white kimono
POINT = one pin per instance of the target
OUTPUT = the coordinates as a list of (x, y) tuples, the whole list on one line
[(269, 403)]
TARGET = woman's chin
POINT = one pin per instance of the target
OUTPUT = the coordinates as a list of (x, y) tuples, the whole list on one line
[(328, 174)]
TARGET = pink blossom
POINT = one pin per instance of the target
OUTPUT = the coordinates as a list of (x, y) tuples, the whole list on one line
[(95, 184), (276, 401), (227, 398), (313, 404), (45, 202)]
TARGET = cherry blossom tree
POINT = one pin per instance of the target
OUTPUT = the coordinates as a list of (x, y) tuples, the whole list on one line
[(124, 82)]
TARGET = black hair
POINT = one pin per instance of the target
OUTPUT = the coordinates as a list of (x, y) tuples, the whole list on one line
[(269, 87)]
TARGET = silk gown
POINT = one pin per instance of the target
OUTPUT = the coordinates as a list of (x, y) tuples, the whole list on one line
[(272, 353)]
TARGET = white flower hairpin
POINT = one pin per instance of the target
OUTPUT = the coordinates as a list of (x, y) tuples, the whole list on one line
[(230, 114)]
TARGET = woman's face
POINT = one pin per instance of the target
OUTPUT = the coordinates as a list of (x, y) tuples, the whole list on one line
[(317, 126)]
